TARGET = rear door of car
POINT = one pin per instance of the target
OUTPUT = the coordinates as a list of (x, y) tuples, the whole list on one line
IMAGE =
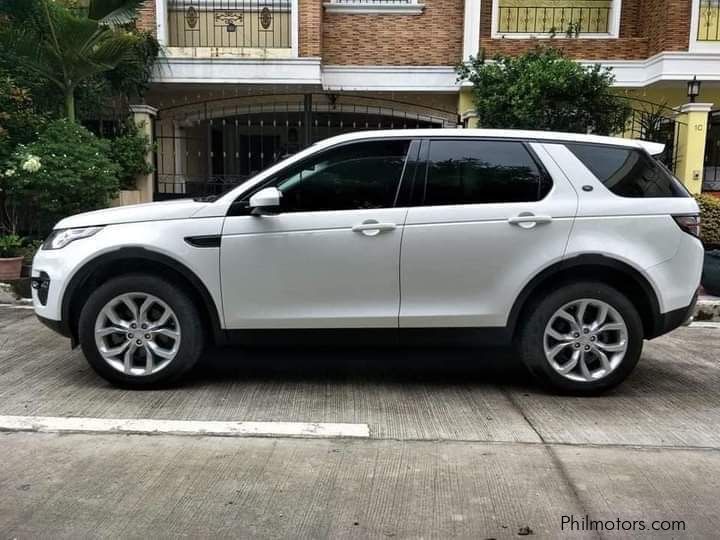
[(489, 214)]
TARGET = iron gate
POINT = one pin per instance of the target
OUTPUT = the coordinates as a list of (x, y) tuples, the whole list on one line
[(206, 148)]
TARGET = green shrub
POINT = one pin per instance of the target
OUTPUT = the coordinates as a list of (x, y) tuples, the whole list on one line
[(65, 171), (544, 89), (10, 246), (709, 219), (129, 151)]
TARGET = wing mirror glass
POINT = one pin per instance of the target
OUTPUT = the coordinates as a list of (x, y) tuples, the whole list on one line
[(266, 201)]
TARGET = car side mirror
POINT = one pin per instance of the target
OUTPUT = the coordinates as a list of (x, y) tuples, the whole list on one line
[(266, 202)]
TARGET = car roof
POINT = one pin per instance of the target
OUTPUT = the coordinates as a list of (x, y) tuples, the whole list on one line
[(652, 148)]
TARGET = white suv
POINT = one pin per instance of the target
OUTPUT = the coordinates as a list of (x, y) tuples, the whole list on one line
[(573, 248)]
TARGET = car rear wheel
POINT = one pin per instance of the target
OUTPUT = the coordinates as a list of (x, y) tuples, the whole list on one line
[(582, 338), (140, 330)]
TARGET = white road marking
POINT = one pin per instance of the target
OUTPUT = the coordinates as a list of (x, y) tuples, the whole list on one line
[(17, 306), (56, 424)]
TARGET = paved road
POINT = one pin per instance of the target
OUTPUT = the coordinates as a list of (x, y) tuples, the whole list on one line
[(462, 444)]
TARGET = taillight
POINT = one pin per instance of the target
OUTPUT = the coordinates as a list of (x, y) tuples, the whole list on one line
[(689, 224)]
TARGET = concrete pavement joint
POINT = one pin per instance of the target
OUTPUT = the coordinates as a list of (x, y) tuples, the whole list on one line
[(591, 446), (556, 461)]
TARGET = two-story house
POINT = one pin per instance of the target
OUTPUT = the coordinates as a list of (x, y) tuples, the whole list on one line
[(244, 82)]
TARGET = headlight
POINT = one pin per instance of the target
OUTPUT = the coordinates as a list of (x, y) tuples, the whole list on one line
[(62, 237)]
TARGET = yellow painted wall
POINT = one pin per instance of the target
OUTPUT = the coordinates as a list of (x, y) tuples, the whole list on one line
[(671, 96)]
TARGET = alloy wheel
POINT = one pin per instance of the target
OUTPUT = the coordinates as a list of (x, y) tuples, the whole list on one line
[(137, 334), (585, 340)]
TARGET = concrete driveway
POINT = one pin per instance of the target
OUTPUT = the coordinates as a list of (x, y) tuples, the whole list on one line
[(461, 444)]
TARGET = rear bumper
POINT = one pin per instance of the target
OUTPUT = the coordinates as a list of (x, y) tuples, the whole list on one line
[(667, 322)]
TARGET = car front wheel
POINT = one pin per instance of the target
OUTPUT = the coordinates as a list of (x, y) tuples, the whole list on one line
[(140, 330), (583, 338)]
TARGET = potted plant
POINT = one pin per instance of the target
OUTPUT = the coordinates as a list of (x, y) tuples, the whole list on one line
[(11, 256)]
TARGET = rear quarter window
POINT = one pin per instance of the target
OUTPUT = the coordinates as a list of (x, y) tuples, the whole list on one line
[(628, 172)]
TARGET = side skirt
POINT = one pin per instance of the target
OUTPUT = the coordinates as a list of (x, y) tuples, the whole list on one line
[(354, 337)]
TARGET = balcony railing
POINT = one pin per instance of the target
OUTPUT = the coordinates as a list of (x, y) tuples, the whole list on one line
[(561, 18), (253, 24), (709, 21)]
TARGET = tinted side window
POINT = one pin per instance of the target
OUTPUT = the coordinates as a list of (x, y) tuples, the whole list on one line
[(353, 176), (476, 171), (628, 172)]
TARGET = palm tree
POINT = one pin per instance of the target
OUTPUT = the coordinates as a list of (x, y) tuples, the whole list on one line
[(69, 49)]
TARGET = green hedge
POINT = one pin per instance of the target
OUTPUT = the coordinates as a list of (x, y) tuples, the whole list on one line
[(710, 219)]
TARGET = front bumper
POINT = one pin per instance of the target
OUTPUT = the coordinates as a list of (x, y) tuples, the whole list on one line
[(40, 284), (56, 326)]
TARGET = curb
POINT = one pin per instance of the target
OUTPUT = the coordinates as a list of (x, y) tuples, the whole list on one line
[(10, 295), (708, 309)]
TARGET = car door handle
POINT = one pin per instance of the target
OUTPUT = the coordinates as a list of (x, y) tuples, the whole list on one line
[(529, 220), (372, 227)]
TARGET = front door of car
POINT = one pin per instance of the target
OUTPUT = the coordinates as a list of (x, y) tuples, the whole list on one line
[(330, 257), (490, 217)]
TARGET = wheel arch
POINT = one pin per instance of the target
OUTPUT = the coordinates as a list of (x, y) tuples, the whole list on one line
[(594, 267), (142, 260)]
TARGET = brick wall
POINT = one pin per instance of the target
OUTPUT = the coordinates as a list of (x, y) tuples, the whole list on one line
[(666, 23), (433, 38), (146, 16), (580, 49), (310, 34)]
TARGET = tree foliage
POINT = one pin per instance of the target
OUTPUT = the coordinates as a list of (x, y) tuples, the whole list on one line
[(130, 151), (66, 48), (20, 123), (544, 90)]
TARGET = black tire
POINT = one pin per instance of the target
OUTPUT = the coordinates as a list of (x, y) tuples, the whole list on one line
[(191, 341), (539, 314)]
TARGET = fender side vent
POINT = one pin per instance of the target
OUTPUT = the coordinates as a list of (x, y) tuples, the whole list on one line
[(208, 241)]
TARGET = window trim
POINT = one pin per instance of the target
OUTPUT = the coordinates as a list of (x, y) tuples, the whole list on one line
[(695, 44), (544, 174), (614, 27), (240, 206), (389, 7)]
